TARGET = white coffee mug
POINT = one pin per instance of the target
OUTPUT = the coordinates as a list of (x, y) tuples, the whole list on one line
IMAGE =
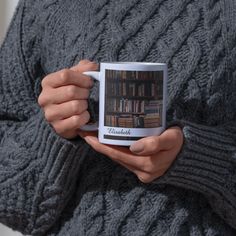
[(132, 101)]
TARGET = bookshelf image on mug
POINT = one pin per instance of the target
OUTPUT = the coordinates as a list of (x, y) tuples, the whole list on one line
[(133, 99)]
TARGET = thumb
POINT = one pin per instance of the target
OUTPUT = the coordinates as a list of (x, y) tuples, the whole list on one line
[(153, 144)]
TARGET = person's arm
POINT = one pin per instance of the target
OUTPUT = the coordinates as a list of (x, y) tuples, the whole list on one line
[(38, 168), (207, 164)]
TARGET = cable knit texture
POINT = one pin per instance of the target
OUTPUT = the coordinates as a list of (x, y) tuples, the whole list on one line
[(53, 186)]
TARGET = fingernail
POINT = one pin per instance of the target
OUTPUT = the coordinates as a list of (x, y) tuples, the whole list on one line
[(137, 147)]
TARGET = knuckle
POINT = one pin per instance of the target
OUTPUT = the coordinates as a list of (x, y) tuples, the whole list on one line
[(42, 100), (153, 143), (75, 121), (87, 116), (44, 82), (48, 115), (64, 75), (75, 106), (59, 129), (145, 178), (71, 91)]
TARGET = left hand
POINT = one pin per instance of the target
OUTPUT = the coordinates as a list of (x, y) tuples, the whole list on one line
[(148, 158)]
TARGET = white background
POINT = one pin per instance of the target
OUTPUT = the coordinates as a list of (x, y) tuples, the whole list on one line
[(6, 11)]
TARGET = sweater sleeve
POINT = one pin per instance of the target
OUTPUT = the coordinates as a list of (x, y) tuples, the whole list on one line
[(207, 161), (38, 168), (207, 164)]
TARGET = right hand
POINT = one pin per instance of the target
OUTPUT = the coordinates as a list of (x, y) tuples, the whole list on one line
[(64, 98)]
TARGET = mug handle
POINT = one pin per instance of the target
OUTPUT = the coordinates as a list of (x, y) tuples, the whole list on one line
[(92, 127)]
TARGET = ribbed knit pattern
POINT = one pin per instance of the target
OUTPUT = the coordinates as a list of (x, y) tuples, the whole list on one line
[(53, 186)]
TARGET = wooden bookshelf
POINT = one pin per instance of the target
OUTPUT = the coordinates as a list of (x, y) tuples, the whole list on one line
[(133, 99)]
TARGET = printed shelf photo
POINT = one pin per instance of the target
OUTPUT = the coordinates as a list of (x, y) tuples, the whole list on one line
[(134, 99)]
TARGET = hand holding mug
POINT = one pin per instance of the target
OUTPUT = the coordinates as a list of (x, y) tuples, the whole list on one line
[(148, 158), (64, 98)]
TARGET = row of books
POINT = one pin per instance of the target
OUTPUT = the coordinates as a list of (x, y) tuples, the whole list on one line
[(133, 106), (134, 75), (128, 121), (124, 88), (152, 120)]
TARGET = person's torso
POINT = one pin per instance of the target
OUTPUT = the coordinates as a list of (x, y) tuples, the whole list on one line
[(192, 38)]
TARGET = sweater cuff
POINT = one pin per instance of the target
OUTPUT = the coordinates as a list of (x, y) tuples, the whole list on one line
[(59, 152), (62, 160), (205, 163), (55, 162)]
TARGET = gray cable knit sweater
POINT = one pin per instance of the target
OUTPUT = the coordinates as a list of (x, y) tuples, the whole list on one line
[(53, 186)]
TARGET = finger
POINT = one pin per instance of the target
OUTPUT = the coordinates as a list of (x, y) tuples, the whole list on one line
[(154, 167), (69, 126), (143, 176), (146, 146), (84, 62), (62, 94), (67, 77), (65, 110), (83, 133), (147, 168), (116, 153), (85, 65), (153, 144), (141, 171)]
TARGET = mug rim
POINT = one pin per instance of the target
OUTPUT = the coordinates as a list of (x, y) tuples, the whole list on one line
[(135, 63)]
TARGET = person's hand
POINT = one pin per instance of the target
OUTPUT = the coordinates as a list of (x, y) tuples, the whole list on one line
[(64, 98), (148, 158)]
